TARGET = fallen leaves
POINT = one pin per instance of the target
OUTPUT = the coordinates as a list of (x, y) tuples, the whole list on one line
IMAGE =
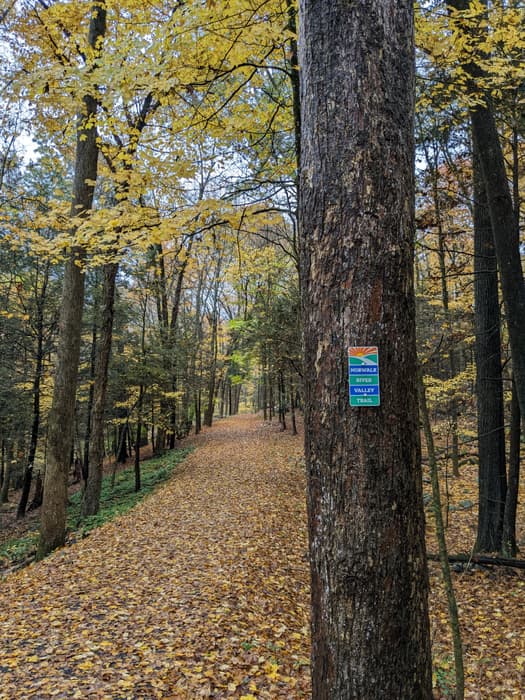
[(202, 592), (491, 604)]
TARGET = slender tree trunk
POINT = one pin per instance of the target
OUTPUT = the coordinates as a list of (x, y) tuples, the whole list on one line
[(442, 544), (2, 466), (370, 628), (38, 494), (453, 404), (196, 357), (121, 452), (214, 349), (161, 296), (35, 426), (265, 392), (91, 495), (137, 438), (506, 240), (120, 447), (153, 446), (282, 401), (294, 78), (489, 387), (221, 393), (508, 546), (62, 413), (237, 399), (173, 341), (292, 408), (270, 395), (210, 403), (8, 468), (198, 423), (87, 435)]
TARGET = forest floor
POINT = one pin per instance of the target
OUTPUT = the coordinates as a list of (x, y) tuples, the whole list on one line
[(201, 591)]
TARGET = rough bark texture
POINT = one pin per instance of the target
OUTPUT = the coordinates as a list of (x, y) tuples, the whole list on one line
[(370, 633), (62, 413), (491, 423)]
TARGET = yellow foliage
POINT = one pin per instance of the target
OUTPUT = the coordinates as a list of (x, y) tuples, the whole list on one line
[(489, 36)]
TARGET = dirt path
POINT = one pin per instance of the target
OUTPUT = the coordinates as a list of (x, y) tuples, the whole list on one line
[(200, 591)]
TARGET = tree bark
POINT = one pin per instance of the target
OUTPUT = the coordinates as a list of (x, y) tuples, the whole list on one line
[(502, 216), (506, 239), (137, 439), (38, 493), (214, 349), (87, 434), (8, 468), (370, 629), (91, 495), (292, 408), (489, 387), (453, 405), (508, 541), (62, 413), (442, 543), (35, 424)]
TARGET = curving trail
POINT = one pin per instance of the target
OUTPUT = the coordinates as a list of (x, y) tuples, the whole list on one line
[(200, 591)]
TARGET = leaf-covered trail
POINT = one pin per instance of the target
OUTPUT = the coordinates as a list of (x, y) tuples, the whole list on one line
[(200, 591)]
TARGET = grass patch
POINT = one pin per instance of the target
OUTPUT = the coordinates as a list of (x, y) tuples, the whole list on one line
[(113, 502), (16, 550)]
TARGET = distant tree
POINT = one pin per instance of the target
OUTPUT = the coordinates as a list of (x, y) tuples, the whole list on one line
[(489, 387), (370, 629), (498, 195)]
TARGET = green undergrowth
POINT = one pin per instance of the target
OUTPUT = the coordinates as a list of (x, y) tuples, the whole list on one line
[(114, 501)]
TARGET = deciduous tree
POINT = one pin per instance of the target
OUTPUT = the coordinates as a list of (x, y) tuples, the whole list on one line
[(370, 632)]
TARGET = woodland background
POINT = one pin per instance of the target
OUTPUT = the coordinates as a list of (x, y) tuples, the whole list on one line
[(188, 248)]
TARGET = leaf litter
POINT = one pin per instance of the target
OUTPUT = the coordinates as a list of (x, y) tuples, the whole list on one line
[(201, 591)]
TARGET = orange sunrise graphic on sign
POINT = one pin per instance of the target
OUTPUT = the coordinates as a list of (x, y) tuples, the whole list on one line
[(361, 351)]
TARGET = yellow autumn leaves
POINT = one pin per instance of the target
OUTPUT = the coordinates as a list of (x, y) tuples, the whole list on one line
[(491, 35)]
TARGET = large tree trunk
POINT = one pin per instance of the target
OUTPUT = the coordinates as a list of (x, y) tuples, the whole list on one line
[(491, 423), (62, 413), (91, 495), (370, 629)]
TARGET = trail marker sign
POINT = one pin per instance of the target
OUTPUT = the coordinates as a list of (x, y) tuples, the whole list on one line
[(363, 374)]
